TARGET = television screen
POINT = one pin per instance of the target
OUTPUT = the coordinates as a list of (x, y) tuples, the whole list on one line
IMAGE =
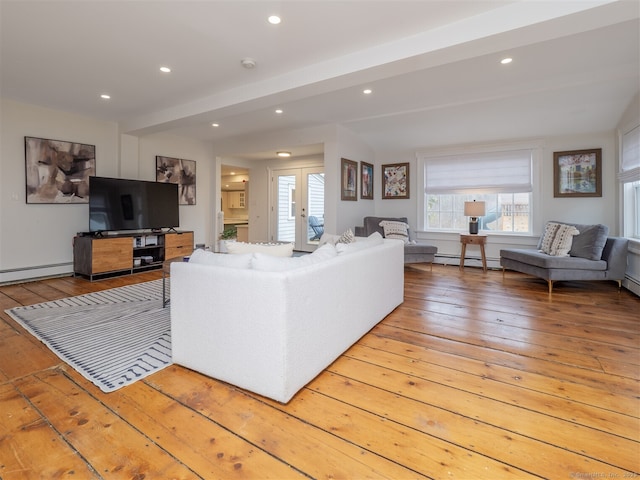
[(119, 204)]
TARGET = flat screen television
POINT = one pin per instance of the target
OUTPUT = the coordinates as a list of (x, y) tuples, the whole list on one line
[(120, 204)]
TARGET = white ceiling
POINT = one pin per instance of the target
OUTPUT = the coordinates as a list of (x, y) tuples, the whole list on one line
[(433, 66)]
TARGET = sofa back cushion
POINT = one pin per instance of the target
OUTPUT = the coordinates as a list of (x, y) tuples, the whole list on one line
[(590, 242), (269, 263), (275, 249), (220, 259)]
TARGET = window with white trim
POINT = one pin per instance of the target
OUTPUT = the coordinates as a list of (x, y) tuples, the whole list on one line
[(629, 177), (503, 179)]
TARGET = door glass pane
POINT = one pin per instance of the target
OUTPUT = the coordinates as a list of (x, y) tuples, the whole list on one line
[(315, 205), (286, 229)]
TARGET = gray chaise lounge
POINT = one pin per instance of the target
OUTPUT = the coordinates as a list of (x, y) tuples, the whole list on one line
[(413, 252), (593, 256)]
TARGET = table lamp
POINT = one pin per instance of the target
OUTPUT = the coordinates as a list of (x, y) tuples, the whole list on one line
[(474, 210)]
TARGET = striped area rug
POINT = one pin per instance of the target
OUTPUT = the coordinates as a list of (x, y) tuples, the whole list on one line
[(113, 338)]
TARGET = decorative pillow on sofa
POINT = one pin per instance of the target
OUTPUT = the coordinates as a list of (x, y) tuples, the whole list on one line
[(393, 229), (346, 237), (557, 239), (220, 259), (275, 249)]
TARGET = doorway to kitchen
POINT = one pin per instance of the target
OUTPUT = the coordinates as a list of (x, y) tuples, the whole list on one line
[(297, 211)]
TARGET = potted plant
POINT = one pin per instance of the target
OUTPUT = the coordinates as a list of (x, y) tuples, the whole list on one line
[(228, 234)]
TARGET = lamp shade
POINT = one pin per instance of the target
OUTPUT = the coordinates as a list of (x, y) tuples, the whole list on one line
[(474, 209)]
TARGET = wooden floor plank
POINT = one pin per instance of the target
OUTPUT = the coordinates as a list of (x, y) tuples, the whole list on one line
[(28, 443), (529, 390), (113, 448), (552, 369), (210, 450), (306, 448), (521, 453), (442, 392)]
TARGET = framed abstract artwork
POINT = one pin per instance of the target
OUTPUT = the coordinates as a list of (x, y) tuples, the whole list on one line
[(58, 171), (180, 171), (366, 181), (349, 180), (395, 181), (577, 173)]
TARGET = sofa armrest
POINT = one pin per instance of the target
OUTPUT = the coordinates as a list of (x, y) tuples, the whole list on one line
[(358, 231), (615, 254)]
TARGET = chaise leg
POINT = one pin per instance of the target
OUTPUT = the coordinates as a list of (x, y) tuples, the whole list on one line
[(550, 282), (619, 285), (503, 270)]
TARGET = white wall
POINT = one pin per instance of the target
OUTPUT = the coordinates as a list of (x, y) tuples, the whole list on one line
[(36, 240)]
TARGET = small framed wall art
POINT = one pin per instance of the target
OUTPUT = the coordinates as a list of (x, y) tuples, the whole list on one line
[(395, 181), (180, 171), (366, 181), (58, 171), (577, 173), (349, 180)]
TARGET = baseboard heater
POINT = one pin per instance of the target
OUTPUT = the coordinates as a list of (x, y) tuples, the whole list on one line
[(36, 272)]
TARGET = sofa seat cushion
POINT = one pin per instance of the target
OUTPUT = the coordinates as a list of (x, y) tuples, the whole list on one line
[(542, 260), (420, 248)]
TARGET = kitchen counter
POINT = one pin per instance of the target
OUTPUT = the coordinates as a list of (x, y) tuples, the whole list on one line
[(235, 221)]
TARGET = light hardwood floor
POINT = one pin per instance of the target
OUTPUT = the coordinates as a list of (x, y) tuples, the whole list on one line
[(472, 377)]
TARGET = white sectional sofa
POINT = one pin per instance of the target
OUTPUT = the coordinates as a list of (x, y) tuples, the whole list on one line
[(270, 325)]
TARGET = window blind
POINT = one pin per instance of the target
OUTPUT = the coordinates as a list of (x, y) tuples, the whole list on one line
[(630, 165), (485, 172)]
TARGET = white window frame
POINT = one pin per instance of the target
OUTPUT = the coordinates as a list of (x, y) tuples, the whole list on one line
[(629, 188), (536, 176)]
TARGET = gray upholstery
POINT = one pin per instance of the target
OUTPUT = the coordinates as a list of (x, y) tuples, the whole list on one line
[(611, 265), (413, 252)]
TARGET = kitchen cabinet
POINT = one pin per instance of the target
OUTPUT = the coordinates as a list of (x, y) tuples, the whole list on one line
[(236, 199)]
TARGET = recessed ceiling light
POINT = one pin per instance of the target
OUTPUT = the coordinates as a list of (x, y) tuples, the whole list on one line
[(104, 96), (165, 69), (279, 111), (215, 124), (367, 91), (283, 154), (274, 20), (504, 61)]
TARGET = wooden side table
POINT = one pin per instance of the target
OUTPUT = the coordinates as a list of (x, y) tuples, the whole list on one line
[(480, 240)]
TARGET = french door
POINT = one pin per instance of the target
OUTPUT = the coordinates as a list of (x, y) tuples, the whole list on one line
[(298, 197)]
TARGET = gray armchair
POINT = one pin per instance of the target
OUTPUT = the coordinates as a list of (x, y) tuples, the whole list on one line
[(413, 252)]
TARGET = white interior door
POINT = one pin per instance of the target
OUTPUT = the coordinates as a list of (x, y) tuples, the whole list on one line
[(298, 193)]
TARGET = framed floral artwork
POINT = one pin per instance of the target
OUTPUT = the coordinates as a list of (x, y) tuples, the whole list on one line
[(366, 181), (395, 181), (349, 180)]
